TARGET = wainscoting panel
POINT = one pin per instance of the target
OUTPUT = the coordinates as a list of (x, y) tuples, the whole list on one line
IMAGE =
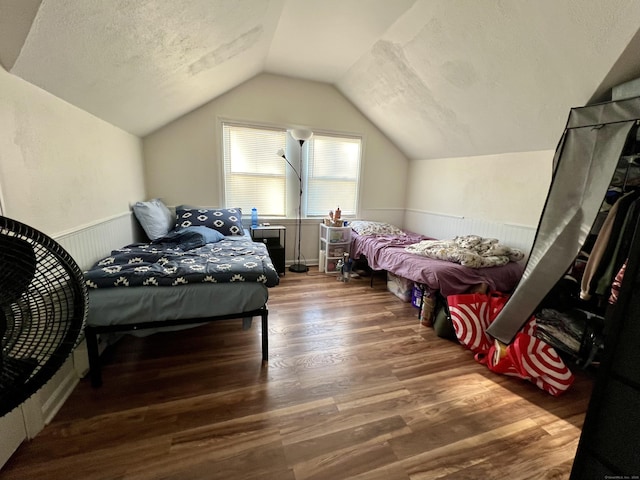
[(444, 227), (90, 243)]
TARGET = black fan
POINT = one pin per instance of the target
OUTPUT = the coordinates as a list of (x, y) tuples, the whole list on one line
[(43, 305)]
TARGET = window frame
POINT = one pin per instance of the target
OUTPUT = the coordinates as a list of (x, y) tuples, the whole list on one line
[(295, 155), (223, 164), (358, 174), (1, 201)]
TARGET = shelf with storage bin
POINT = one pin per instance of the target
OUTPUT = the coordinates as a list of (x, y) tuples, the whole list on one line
[(334, 243)]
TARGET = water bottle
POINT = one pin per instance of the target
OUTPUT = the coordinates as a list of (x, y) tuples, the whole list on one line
[(254, 217)]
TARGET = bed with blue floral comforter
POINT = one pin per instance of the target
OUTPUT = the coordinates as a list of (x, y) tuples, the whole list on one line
[(184, 257), (189, 277)]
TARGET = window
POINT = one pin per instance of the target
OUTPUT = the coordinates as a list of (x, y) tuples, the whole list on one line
[(333, 167), (255, 176)]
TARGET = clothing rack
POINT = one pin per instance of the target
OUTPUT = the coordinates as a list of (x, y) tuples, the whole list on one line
[(632, 161)]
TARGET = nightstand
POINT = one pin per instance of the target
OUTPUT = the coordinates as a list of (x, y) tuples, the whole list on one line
[(275, 238)]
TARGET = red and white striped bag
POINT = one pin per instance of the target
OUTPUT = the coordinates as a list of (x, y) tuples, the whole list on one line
[(471, 314), (527, 357), (531, 359)]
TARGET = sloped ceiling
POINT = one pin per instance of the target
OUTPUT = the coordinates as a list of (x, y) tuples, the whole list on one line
[(441, 78)]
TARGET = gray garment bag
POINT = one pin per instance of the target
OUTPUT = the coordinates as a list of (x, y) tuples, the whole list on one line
[(584, 163)]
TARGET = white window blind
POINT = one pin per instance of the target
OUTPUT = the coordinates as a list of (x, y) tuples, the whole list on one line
[(333, 168), (254, 174)]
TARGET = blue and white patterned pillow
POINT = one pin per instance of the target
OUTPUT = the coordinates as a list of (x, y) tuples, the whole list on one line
[(228, 221)]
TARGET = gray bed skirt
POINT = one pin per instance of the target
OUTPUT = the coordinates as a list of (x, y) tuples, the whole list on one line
[(126, 305)]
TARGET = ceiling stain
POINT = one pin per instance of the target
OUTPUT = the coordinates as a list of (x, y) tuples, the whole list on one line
[(459, 74), (227, 51), (395, 85)]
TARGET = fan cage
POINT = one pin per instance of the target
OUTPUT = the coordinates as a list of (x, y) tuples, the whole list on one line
[(43, 306)]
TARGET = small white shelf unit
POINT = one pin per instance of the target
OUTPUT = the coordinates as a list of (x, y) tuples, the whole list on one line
[(334, 243)]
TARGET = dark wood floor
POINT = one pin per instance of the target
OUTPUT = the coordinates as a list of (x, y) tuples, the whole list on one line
[(354, 388)]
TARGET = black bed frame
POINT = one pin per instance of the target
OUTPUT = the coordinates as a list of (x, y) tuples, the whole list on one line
[(91, 335)]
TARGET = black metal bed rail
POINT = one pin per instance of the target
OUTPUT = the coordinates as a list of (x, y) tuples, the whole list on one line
[(91, 335)]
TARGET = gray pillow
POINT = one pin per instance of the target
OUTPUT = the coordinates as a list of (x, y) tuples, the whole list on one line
[(154, 216)]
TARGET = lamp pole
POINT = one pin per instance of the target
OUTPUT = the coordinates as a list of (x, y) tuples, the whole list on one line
[(301, 135), (299, 267)]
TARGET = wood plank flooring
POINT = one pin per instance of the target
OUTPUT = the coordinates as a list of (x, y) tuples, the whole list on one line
[(354, 388)]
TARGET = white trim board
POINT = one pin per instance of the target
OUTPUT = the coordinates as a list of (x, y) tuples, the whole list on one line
[(444, 226)]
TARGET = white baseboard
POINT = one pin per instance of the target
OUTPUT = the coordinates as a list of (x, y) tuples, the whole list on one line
[(66, 380), (13, 433), (81, 359)]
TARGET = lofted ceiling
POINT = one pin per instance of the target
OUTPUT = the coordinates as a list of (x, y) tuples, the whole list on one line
[(441, 78)]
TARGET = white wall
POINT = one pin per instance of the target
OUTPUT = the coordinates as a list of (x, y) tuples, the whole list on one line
[(183, 160), (60, 170), (492, 195), (61, 167)]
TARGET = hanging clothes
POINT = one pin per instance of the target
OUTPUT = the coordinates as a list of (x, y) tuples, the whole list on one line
[(617, 282), (607, 244), (601, 284), (597, 252)]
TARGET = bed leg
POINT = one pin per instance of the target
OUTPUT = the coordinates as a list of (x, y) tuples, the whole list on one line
[(373, 272), (95, 372), (265, 336), (246, 323)]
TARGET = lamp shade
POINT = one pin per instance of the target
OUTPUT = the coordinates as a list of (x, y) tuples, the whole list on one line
[(301, 134)]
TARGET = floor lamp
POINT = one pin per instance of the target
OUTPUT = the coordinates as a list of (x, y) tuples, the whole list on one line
[(301, 135)]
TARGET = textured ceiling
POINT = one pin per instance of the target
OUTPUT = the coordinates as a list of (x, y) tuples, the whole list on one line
[(440, 78)]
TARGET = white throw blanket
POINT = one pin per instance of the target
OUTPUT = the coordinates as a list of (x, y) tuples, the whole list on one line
[(470, 250)]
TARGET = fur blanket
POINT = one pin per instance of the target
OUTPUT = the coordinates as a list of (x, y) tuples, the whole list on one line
[(470, 250)]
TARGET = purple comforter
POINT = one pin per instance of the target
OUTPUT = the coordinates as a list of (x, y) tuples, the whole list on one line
[(387, 252)]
